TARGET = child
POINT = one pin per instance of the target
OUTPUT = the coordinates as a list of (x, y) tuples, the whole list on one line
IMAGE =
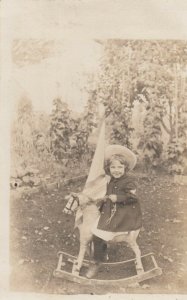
[(120, 209)]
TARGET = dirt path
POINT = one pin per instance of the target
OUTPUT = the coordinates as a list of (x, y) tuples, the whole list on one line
[(39, 229)]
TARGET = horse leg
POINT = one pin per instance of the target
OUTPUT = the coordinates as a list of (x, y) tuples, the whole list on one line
[(134, 246), (78, 263), (90, 250)]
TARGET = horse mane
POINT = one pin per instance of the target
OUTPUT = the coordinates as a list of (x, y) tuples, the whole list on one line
[(87, 203)]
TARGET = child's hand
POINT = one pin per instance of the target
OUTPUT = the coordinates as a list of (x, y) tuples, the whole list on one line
[(102, 199), (105, 198), (113, 198)]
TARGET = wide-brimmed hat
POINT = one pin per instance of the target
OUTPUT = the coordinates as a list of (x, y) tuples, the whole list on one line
[(128, 155)]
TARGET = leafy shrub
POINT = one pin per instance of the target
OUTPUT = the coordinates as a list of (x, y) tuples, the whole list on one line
[(177, 149)]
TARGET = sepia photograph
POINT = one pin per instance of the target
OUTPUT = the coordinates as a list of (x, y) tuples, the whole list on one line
[(98, 157)]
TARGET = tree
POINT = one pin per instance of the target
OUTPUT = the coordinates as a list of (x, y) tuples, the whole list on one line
[(60, 129), (22, 129), (69, 134), (114, 91), (41, 135), (144, 71)]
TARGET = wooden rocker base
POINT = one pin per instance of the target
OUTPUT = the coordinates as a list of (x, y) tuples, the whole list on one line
[(60, 272)]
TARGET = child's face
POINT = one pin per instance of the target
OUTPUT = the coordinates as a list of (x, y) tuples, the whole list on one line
[(117, 169)]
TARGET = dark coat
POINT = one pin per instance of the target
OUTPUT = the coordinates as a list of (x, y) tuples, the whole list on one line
[(128, 215)]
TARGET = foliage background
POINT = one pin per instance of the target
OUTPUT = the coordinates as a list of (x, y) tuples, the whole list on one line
[(142, 84)]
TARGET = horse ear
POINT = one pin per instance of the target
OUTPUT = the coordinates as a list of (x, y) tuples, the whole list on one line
[(67, 197), (78, 218)]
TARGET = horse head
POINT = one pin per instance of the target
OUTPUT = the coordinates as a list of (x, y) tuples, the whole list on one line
[(75, 201), (72, 204)]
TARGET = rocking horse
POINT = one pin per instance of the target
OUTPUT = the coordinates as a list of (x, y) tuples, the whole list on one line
[(84, 206)]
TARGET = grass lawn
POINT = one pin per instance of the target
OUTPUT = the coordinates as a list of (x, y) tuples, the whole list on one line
[(39, 229)]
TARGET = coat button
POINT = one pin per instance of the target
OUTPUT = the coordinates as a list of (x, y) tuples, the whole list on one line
[(115, 187)]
